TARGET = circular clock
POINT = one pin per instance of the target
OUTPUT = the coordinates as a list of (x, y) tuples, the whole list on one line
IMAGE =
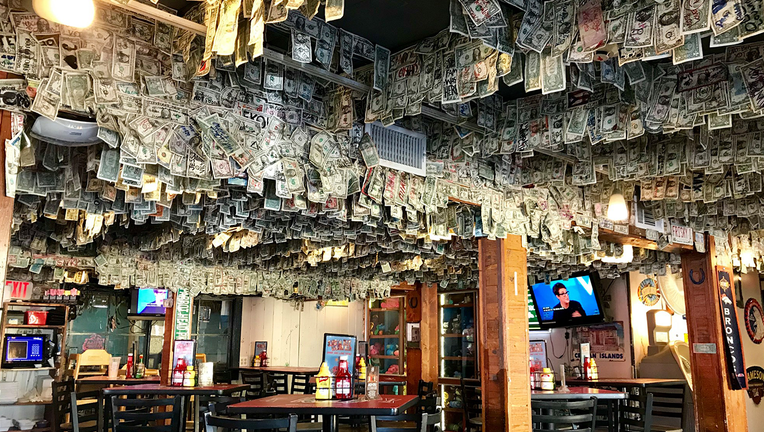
[(754, 320), (648, 292)]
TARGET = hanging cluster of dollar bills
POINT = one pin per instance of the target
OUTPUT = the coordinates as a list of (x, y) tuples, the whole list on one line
[(268, 167)]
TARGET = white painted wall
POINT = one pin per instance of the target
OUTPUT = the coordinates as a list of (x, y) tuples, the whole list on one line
[(639, 314), (754, 354), (618, 310), (295, 336)]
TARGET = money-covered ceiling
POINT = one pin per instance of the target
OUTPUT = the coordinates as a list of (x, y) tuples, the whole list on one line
[(214, 153)]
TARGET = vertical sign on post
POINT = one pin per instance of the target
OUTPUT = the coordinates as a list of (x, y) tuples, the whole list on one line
[(184, 301), (735, 362)]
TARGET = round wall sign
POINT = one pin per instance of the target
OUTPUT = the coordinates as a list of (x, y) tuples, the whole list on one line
[(648, 292), (754, 320)]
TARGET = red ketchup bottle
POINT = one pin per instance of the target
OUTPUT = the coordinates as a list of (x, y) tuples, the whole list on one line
[(344, 381), (129, 367), (177, 373)]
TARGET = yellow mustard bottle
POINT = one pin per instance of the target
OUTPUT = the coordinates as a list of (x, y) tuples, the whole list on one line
[(362, 369), (324, 383)]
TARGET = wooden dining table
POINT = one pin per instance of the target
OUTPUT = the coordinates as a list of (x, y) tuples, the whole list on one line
[(158, 389), (289, 370), (628, 382), (385, 405), (583, 393), (120, 380)]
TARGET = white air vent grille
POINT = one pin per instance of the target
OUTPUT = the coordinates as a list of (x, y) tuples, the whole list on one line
[(399, 148), (645, 219)]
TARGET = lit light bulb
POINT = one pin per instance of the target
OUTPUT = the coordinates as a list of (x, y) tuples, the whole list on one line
[(72, 13), (663, 319), (616, 209)]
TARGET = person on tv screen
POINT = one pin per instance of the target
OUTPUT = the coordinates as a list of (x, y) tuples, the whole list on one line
[(566, 309)]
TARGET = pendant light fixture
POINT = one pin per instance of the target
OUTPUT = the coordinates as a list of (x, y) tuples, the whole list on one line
[(616, 209), (72, 13)]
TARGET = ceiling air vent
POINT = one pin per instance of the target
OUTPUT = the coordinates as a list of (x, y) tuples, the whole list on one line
[(399, 148), (645, 219)]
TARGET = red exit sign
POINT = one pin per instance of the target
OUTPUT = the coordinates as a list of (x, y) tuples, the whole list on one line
[(18, 290)]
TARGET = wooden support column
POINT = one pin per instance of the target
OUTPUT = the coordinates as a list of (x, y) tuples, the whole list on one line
[(718, 408), (413, 355), (503, 316), (165, 373), (430, 332), (6, 203)]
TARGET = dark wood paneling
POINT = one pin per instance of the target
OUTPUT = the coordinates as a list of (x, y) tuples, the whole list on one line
[(717, 407)]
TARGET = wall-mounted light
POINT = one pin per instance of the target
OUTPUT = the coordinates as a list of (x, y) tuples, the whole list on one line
[(72, 13), (663, 319), (616, 209)]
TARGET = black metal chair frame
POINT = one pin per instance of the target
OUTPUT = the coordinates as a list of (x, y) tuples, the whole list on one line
[(545, 413), (85, 413), (212, 422), (138, 418)]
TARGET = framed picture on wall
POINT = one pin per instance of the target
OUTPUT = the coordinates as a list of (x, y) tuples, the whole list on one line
[(261, 346), (538, 354), (184, 349), (337, 346)]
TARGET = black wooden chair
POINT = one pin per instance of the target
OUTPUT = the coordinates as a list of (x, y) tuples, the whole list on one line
[(214, 423), (277, 383), (301, 384), (425, 388), (472, 404), (145, 415), (256, 381), (217, 405), (636, 412), (84, 414), (405, 423), (62, 405), (668, 408), (556, 415)]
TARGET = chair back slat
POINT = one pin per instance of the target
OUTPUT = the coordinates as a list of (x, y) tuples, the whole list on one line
[(84, 412), (62, 402), (564, 414), (637, 411), (668, 406), (419, 422), (301, 384), (214, 423), (278, 383), (144, 415), (256, 382)]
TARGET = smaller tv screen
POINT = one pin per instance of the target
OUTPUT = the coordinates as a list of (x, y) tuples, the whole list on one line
[(27, 349), (568, 302), (149, 301)]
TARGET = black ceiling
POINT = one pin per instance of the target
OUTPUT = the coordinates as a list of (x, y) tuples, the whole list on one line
[(395, 24)]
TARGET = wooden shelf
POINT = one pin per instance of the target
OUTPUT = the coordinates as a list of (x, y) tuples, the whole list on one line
[(384, 310), (385, 336), (28, 403), (463, 305), (385, 356), (458, 358), (32, 326), (455, 410), (454, 335), (31, 304), (28, 369)]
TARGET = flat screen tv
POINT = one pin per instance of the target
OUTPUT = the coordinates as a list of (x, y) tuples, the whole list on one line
[(148, 302), (24, 351), (568, 302)]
